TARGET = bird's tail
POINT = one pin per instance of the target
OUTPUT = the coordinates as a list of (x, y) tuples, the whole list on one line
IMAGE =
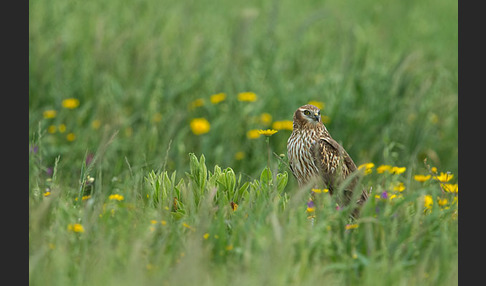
[(365, 194)]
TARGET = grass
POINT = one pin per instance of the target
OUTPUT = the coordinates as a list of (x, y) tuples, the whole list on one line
[(143, 70)]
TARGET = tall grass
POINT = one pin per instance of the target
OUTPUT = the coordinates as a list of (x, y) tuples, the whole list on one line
[(189, 231), (386, 74)]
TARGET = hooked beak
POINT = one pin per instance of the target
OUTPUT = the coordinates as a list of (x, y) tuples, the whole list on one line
[(317, 116)]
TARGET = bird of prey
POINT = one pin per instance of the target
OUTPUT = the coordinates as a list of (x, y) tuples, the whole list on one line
[(316, 159)]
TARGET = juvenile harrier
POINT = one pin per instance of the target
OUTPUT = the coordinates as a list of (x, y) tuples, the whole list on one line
[(313, 154)]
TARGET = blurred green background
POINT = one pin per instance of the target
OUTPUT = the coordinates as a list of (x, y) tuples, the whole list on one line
[(385, 71)]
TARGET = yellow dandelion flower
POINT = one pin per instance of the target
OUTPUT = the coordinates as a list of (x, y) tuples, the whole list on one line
[(46, 194), (229, 247), (234, 206), (311, 206), (239, 155), (318, 104), (399, 196), (163, 222), (84, 198), (444, 177), (442, 202), (206, 235), (352, 226), (71, 137), (421, 178), (76, 227), (157, 117), (434, 169), (268, 132), (266, 118), (70, 103), (62, 128), (153, 221), (252, 134), (283, 125), (49, 113), (196, 103), (311, 209), (399, 187), (188, 226), (52, 129), (367, 167), (450, 188), (217, 98), (116, 197), (428, 201), (247, 96), (398, 170), (382, 168), (200, 126), (96, 124), (318, 191)]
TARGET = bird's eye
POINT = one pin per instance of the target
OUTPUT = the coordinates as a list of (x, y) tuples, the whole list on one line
[(307, 112)]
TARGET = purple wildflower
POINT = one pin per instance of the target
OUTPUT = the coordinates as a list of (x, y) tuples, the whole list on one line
[(310, 204), (49, 171), (384, 195), (34, 149)]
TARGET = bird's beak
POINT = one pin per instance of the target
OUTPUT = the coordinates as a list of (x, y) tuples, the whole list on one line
[(316, 116)]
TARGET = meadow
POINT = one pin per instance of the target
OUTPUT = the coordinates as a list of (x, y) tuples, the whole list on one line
[(146, 166)]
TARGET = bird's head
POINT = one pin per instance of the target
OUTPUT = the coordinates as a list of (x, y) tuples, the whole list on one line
[(307, 114)]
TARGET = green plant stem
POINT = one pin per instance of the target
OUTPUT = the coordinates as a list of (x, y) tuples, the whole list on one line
[(268, 152)]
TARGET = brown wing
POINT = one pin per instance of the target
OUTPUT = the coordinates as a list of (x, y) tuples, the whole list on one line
[(333, 160), (335, 165)]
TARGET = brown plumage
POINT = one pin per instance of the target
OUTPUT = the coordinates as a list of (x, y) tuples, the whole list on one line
[(315, 158)]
